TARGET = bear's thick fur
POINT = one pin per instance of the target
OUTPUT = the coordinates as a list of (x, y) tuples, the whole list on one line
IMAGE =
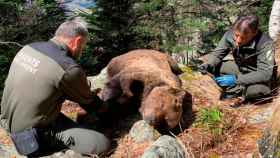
[(161, 95)]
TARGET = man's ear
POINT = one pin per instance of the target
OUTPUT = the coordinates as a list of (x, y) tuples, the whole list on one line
[(78, 41), (75, 42)]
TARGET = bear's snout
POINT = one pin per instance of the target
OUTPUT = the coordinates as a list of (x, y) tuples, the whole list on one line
[(150, 120), (151, 117)]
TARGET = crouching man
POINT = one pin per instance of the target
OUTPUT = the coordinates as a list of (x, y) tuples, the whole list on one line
[(42, 75), (249, 75)]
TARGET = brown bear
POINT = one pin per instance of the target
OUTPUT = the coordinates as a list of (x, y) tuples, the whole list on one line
[(161, 95)]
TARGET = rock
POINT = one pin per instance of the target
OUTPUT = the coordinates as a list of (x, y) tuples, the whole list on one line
[(99, 80), (142, 131), (261, 117), (66, 154), (269, 144), (57, 155), (72, 154), (165, 147)]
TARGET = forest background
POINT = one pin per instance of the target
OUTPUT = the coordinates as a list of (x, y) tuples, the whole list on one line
[(186, 29)]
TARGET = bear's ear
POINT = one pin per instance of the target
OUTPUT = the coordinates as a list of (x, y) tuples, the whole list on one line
[(181, 94), (178, 92), (141, 109)]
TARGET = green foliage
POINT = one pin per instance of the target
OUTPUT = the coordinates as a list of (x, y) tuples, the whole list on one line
[(21, 24), (172, 26), (111, 34), (210, 119), (120, 26), (178, 27), (153, 5), (264, 9)]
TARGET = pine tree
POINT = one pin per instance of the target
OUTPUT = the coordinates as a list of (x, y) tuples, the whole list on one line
[(111, 35), (182, 28)]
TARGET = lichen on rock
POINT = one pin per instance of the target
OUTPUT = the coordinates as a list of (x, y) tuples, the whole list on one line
[(142, 131), (165, 147)]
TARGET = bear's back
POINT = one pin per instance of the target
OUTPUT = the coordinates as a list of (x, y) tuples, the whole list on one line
[(139, 60)]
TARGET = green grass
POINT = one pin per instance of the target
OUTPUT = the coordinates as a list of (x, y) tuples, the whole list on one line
[(211, 119)]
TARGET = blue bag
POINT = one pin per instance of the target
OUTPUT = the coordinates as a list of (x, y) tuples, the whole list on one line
[(26, 141)]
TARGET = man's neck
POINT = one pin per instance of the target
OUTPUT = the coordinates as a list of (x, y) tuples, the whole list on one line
[(62, 42)]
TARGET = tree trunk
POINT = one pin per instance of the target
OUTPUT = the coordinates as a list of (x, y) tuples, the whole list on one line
[(274, 20)]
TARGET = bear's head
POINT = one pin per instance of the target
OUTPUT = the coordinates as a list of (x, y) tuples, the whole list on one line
[(163, 106)]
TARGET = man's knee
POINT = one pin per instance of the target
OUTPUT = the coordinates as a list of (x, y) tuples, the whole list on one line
[(257, 91), (228, 67), (86, 141)]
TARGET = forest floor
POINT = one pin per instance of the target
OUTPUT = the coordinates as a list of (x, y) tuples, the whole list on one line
[(213, 130), (219, 130)]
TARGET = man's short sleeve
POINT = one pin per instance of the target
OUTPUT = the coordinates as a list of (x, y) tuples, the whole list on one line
[(75, 85)]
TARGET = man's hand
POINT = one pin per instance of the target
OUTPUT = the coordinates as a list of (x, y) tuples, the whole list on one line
[(226, 80), (204, 68), (103, 108)]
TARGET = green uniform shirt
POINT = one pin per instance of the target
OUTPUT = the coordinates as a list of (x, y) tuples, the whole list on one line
[(42, 75), (255, 60)]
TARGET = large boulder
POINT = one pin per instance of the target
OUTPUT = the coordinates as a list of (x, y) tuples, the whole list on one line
[(165, 147), (141, 131)]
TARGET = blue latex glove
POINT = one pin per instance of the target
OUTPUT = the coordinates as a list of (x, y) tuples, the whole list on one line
[(226, 80)]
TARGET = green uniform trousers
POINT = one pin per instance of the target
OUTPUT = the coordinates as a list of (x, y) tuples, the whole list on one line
[(250, 91), (65, 133)]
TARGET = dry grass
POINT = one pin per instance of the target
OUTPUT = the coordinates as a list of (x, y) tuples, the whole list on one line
[(4, 138), (237, 137)]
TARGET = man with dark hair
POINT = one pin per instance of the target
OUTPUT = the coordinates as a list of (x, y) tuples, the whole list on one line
[(42, 75), (249, 75)]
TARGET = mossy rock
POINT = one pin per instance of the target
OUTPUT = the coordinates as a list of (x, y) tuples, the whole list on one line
[(142, 131)]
